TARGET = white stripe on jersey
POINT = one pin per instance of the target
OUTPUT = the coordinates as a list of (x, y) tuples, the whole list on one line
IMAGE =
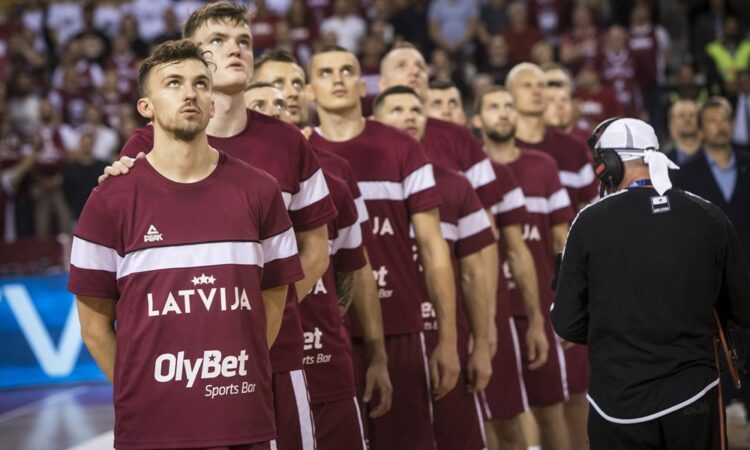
[(191, 255), (547, 205), (419, 180), (511, 200), (381, 190), (311, 190), (584, 177), (473, 224), (287, 199), (449, 231), (347, 238), (91, 256), (281, 246), (362, 214), (480, 173)]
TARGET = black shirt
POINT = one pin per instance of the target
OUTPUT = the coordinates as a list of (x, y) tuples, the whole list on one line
[(639, 276)]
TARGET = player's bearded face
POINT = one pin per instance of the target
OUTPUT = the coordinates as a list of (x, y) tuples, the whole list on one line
[(528, 92), (229, 48), (335, 81), (498, 116), (405, 67), (403, 111)]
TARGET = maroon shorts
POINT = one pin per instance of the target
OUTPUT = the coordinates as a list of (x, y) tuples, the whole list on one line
[(505, 395), (577, 365), (271, 445), (291, 403), (408, 425), (548, 384), (338, 425)]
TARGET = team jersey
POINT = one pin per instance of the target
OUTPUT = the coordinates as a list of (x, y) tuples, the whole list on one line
[(574, 161), (466, 228), (396, 181), (282, 151), (548, 205), (510, 211), (186, 263), (619, 71), (327, 352), (454, 147)]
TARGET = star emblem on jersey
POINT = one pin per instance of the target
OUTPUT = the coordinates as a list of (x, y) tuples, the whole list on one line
[(152, 235), (203, 279)]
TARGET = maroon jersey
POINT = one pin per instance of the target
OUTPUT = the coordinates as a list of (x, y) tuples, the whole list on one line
[(551, 16), (595, 107), (51, 158), (644, 47), (327, 351), (588, 57), (454, 147), (510, 211), (618, 70), (520, 44), (396, 181), (466, 228), (282, 151), (192, 365), (71, 105), (581, 132), (547, 204), (574, 160)]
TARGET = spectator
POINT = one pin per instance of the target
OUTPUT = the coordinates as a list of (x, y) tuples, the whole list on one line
[(708, 26), (111, 96), (597, 100), (303, 31), (90, 74), (172, 29), (46, 188), (129, 30), (741, 131), (108, 16), (685, 138), (453, 25), (105, 143), (444, 69), (81, 174), (726, 56), (263, 28), (124, 61), (15, 165), (580, 45), (372, 52), (70, 99), (28, 53), (551, 17), (542, 53), (493, 20), (618, 67), (348, 27), (32, 16), (520, 36), (496, 61), (319, 10), (94, 44), (149, 15), (687, 87), (23, 104), (410, 24), (65, 20)]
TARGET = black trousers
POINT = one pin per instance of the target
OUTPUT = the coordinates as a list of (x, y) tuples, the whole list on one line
[(694, 427)]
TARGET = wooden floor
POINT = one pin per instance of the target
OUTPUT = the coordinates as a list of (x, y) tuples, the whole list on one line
[(81, 418)]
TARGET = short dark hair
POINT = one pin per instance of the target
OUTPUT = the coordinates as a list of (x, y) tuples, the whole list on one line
[(169, 52), (329, 49), (277, 55), (714, 102), (235, 13), (259, 85), (393, 90), (478, 102), (442, 85)]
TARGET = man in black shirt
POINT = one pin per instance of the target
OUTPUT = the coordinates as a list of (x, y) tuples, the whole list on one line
[(640, 272)]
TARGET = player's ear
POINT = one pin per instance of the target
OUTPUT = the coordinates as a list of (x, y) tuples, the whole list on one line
[(309, 93), (476, 122), (362, 88), (145, 108), (381, 84)]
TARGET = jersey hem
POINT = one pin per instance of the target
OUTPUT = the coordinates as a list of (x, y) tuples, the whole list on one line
[(142, 445)]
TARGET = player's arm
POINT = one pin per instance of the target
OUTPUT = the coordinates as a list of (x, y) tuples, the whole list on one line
[(312, 246), (559, 235), (97, 317), (570, 316), (366, 307), (435, 258), (274, 300), (476, 282), (344, 290), (522, 268)]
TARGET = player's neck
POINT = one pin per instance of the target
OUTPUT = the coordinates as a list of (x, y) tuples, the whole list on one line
[(341, 126), (504, 152), (230, 116), (530, 128), (182, 161)]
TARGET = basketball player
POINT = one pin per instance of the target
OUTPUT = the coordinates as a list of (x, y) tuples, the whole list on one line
[(197, 306), (549, 216), (398, 185), (223, 29), (444, 102)]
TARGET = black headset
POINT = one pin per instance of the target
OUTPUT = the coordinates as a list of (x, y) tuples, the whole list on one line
[(608, 165)]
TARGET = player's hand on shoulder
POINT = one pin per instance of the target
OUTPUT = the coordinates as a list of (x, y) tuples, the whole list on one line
[(120, 167)]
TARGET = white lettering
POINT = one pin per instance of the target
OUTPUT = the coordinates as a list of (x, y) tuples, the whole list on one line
[(531, 233), (313, 339), (381, 227), (170, 367), (380, 276)]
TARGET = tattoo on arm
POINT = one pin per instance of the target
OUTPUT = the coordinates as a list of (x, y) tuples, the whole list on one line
[(344, 289)]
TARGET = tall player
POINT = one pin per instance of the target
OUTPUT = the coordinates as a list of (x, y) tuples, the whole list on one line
[(280, 69), (224, 277), (328, 359), (398, 185), (468, 232), (549, 216), (527, 83), (223, 29)]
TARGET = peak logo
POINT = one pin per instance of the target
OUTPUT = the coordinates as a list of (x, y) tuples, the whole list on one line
[(170, 367), (152, 235)]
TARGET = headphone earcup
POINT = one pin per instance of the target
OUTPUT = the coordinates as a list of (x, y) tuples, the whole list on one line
[(609, 168)]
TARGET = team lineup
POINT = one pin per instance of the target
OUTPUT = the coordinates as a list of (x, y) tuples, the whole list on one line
[(252, 277)]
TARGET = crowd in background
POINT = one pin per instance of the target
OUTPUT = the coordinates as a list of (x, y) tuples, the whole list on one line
[(70, 67)]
